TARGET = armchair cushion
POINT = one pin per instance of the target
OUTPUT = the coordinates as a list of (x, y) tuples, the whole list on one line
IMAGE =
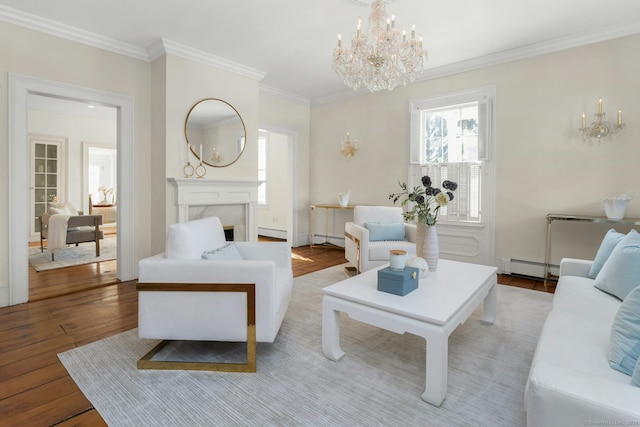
[(385, 231), (189, 240), (228, 251)]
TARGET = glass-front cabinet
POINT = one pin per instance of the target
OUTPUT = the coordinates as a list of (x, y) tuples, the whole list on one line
[(46, 163)]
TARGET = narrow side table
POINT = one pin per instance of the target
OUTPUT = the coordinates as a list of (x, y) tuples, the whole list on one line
[(327, 208), (583, 218)]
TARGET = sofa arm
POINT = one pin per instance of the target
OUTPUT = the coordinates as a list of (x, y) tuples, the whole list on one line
[(575, 267), (278, 252), (558, 396)]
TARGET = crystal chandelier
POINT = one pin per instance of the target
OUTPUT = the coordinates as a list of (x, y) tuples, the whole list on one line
[(381, 59), (600, 127)]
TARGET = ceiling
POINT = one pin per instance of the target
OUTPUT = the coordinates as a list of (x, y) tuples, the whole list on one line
[(292, 41)]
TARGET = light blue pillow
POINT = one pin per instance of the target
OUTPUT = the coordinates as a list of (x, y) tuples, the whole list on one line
[(635, 378), (624, 341), (227, 252), (609, 242), (381, 231), (620, 274)]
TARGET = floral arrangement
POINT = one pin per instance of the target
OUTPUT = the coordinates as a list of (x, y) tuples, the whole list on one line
[(427, 200), (104, 190)]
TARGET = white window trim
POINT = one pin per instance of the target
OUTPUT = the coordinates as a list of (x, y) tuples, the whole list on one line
[(483, 94)]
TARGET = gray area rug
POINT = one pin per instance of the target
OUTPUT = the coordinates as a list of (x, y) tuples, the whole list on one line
[(377, 383), (84, 253)]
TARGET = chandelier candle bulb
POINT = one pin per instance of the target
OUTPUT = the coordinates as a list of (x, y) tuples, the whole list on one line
[(600, 106), (584, 120), (619, 117)]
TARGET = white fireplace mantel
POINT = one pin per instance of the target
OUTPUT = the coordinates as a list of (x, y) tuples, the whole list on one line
[(211, 192)]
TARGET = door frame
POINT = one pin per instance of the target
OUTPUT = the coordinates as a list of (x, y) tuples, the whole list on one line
[(20, 86), (292, 172)]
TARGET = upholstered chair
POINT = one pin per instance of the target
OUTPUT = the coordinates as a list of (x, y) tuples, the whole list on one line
[(374, 231), (197, 289)]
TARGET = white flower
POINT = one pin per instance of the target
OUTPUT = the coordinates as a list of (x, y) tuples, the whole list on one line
[(442, 199)]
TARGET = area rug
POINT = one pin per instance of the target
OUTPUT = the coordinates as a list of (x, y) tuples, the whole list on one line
[(377, 383), (84, 253)]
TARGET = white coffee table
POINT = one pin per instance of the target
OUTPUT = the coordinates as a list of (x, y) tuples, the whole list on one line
[(445, 299)]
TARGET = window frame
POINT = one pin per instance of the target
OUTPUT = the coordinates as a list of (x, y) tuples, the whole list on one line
[(485, 98)]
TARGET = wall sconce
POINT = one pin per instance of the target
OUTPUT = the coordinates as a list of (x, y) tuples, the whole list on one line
[(600, 127), (349, 149), (216, 156)]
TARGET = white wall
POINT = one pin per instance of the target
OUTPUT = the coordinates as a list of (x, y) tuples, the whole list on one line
[(542, 164), (40, 55)]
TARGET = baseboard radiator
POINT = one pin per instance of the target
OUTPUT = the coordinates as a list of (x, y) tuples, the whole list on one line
[(273, 233), (519, 267)]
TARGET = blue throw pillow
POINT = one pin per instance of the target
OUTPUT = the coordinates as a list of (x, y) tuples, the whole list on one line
[(609, 242), (635, 378), (620, 274), (228, 251), (380, 231), (624, 341)]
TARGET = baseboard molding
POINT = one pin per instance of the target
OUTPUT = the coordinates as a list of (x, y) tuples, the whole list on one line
[(270, 232), (523, 267)]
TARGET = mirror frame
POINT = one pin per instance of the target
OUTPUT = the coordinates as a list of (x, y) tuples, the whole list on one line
[(191, 148)]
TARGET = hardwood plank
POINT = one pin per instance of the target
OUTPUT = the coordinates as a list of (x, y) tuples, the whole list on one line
[(90, 305)]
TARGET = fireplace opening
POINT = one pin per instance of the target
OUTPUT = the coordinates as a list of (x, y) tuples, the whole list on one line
[(228, 233)]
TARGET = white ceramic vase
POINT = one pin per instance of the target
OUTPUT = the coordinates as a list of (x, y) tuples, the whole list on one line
[(427, 244)]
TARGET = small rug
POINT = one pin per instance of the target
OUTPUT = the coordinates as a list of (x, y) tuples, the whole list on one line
[(84, 253), (377, 383)]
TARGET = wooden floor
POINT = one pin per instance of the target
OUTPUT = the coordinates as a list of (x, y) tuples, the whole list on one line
[(36, 389)]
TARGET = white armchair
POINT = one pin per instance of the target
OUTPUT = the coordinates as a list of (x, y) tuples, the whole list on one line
[(374, 231), (185, 297)]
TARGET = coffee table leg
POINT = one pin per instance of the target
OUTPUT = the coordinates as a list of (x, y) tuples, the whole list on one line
[(331, 331), (489, 310), (437, 367)]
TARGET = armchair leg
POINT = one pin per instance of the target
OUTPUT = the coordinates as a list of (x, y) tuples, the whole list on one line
[(146, 363)]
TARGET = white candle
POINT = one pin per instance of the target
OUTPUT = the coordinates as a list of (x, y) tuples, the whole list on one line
[(619, 117), (200, 152), (339, 40), (600, 106), (584, 121)]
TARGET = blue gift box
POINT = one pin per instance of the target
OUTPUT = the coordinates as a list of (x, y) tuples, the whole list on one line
[(398, 282)]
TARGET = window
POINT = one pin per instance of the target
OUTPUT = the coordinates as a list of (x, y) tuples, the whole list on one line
[(449, 140), (262, 167)]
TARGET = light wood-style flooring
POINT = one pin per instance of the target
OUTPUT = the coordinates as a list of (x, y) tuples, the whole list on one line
[(36, 389)]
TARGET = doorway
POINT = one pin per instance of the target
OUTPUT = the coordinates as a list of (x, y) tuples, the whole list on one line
[(20, 87), (276, 168)]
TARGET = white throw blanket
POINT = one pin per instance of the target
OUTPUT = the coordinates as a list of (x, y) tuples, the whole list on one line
[(57, 235)]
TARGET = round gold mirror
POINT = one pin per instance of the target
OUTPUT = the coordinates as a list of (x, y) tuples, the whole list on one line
[(215, 131)]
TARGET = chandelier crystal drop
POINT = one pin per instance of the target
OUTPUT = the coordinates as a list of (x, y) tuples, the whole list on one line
[(383, 58)]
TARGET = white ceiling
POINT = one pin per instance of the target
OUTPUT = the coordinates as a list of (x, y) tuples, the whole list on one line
[(292, 40)]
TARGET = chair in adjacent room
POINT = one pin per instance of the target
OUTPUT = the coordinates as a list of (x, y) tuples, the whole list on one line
[(63, 225), (374, 231), (204, 288)]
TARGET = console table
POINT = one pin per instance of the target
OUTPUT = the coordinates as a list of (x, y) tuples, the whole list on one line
[(582, 218), (327, 208)]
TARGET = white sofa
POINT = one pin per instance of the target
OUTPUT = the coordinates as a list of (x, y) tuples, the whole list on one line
[(570, 381), (216, 316)]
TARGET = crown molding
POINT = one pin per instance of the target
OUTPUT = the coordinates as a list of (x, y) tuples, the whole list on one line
[(288, 96), (165, 46), (550, 46), (54, 28)]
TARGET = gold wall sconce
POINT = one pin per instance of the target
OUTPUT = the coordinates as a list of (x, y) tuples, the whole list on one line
[(600, 126), (349, 148)]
